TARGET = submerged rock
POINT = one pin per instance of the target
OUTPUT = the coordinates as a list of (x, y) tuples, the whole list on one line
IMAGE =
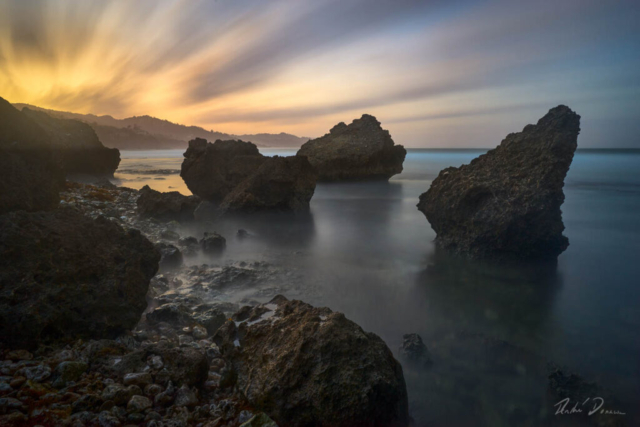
[(80, 149), (359, 151), (310, 366), (414, 350), (31, 175), (281, 183), (170, 206), (506, 204), (65, 276), (211, 171), (213, 243)]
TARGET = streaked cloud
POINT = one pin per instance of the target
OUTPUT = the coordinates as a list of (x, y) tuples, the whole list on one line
[(434, 72)]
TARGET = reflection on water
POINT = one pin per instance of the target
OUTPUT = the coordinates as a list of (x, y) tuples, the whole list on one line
[(367, 251)]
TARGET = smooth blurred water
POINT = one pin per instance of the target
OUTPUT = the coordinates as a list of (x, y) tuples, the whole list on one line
[(367, 251)]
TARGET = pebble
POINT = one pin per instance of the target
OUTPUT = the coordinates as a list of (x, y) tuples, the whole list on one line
[(139, 379), (139, 404)]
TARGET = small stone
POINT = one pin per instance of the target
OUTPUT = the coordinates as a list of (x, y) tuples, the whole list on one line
[(153, 389), (155, 362), (135, 417), (139, 404), (186, 397), (185, 339), (66, 372), (140, 379), (199, 332), (107, 419)]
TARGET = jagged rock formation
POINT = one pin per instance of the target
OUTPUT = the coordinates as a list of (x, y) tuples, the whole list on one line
[(30, 173), (506, 204), (281, 183), (310, 366), (170, 206), (65, 276), (237, 178), (80, 149), (211, 171), (359, 151)]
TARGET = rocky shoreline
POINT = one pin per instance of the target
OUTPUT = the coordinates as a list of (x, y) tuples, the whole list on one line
[(179, 365)]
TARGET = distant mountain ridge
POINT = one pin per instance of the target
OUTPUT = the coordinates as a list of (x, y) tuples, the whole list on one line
[(149, 133)]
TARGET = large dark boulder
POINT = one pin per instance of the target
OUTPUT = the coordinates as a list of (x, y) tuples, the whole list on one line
[(211, 171), (281, 183), (506, 204), (170, 206), (310, 366), (31, 175), (80, 149), (64, 276), (359, 151)]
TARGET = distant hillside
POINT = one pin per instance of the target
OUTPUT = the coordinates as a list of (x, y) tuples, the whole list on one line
[(149, 133)]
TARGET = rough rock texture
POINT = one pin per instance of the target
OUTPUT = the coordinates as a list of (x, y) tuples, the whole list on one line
[(181, 365), (211, 171), (57, 283), (170, 206), (359, 151), (80, 149), (281, 183), (30, 173), (171, 257), (506, 204), (310, 366)]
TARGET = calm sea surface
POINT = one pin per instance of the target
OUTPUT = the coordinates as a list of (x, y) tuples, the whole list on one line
[(367, 251)]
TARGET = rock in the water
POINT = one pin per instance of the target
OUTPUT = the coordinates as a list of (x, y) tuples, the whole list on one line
[(64, 275), (31, 175), (171, 206), (506, 204), (310, 366), (213, 243), (359, 151), (414, 350), (211, 171), (80, 149), (171, 257), (281, 184)]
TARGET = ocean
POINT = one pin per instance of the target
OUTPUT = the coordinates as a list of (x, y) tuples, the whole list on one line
[(365, 250)]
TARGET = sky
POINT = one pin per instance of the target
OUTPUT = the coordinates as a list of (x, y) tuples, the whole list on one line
[(435, 73)]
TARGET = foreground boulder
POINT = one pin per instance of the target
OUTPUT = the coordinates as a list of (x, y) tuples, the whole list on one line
[(359, 151), (64, 276), (31, 176), (211, 171), (310, 366), (170, 206), (281, 183), (80, 149), (506, 204)]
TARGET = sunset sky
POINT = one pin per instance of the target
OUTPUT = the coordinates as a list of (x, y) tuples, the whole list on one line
[(435, 73)]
